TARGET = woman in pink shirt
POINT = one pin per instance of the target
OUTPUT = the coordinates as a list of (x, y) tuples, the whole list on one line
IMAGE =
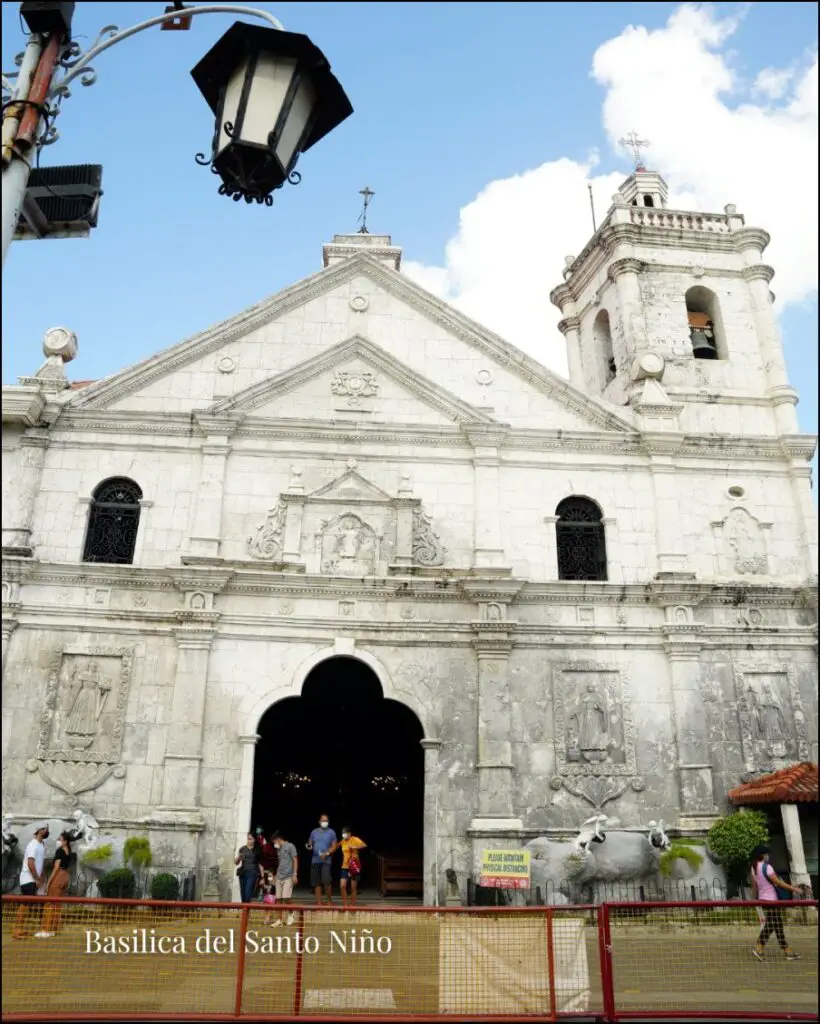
[(764, 888)]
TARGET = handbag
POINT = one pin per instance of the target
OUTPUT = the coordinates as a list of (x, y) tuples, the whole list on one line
[(354, 869)]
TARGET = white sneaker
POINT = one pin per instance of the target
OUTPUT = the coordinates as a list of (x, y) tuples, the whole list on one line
[(277, 923), (44, 935), (291, 919)]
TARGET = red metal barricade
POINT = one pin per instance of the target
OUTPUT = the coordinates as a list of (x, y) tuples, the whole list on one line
[(153, 960)]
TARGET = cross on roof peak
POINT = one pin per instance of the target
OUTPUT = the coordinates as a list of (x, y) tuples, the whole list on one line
[(635, 144)]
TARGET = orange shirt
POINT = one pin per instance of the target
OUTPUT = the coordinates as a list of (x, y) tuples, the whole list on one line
[(348, 846)]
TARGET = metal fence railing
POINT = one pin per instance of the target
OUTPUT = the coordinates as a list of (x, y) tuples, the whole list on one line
[(143, 959), (569, 892)]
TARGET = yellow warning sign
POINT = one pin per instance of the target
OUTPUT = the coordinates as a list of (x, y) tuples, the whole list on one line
[(505, 869)]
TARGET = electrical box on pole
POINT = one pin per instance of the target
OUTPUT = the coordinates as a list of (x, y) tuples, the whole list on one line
[(61, 202)]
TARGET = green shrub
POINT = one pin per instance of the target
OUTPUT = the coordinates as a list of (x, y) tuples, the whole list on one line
[(137, 852), (679, 851), (98, 854), (734, 838), (119, 884), (165, 887)]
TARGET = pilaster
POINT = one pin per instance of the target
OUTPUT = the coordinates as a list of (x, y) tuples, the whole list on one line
[(431, 881), (672, 560), (624, 272), (488, 547), (206, 533), (570, 327), (243, 806), (694, 767), (494, 763), (18, 513)]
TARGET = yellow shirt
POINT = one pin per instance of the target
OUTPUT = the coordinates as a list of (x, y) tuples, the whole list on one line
[(348, 846)]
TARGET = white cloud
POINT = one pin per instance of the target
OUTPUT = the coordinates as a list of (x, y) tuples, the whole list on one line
[(774, 82), (674, 86)]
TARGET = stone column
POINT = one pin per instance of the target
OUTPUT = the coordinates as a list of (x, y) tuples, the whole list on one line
[(206, 534), (432, 881), (488, 551), (794, 843), (570, 327), (9, 626), (494, 764), (672, 561), (800, 477), (245, 798), (696, 785), (624, 272), (782, 395), (18, 513), (183, 756)]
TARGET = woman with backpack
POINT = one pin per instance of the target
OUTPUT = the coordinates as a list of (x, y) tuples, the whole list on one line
[(765, 883)]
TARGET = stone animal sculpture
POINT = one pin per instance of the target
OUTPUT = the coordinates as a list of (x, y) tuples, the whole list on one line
[(11, 858), (90, 865), (597, 856)]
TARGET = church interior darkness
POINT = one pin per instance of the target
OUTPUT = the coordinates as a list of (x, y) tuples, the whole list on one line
[(341, 749)]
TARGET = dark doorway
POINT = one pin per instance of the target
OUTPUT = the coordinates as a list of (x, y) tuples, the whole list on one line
[(342, 749)]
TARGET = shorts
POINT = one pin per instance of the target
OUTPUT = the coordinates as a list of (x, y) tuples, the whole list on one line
[(284, 888), (28, 888), (320, 874), (346, 875)]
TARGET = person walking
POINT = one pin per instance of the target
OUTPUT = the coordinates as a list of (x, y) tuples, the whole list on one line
[(57, 886), (286, 874), (322, 841), (351, 864), (249, 870), (32, 877), (765, 884)]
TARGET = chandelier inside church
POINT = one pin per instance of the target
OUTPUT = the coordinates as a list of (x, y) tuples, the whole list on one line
[(388, 783)]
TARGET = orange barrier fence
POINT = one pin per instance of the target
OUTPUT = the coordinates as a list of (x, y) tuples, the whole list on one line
[(132, 959)]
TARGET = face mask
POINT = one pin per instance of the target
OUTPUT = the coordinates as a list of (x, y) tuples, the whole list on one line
[(323, 824), (278, 846), (345, 835)]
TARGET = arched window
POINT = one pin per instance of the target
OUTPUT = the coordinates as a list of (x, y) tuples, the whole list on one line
[(602, 335), (580, 540), (112, 522), (705, 324)]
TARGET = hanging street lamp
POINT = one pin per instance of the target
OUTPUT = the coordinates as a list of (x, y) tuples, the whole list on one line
[(274, 97)]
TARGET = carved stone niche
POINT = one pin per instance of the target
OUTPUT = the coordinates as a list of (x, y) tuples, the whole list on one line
[(742, 545), (349, 527), (83, 718), (771, 716)]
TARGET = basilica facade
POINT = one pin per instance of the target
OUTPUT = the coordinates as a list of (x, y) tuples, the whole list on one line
[(589, 595)]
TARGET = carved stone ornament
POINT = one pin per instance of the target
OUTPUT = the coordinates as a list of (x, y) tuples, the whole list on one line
[(427, 548), (268, 541), (83, 718), (349, 546), (354, 386), (771, 715), (595, 734), (743, 544)]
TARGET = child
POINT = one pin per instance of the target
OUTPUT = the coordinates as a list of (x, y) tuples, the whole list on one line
[(351, 865), (268, 897)]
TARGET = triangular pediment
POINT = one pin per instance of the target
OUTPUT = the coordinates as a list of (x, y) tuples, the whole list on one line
[(263, 398), (351, 486), (583, 411)]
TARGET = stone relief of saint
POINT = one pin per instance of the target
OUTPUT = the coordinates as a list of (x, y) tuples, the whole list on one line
[(771, 725), (592, 722), (83, 719), (349, 540), (747, 543)]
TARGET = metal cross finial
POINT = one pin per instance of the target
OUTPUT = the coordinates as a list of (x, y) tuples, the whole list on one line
[(368, 196), (635, 144)]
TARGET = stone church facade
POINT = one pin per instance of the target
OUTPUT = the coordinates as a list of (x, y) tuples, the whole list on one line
[(595, 594)]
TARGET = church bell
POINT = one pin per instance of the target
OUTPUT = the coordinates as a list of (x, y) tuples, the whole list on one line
[(703, 347)]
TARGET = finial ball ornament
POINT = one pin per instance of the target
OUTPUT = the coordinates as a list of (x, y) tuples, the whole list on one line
[(61, 342)]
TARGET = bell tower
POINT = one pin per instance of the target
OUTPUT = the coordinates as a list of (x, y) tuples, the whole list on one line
[(669, 312)]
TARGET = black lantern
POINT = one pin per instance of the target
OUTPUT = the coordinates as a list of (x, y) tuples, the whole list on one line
[(274, 96)]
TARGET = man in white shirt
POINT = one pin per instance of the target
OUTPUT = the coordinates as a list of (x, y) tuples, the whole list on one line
[(32, 877)]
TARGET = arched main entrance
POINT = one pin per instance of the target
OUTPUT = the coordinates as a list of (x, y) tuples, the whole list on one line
[(343, 749)]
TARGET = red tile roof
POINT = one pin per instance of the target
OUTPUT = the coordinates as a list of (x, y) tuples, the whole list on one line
[(797, 784), (76, 384)]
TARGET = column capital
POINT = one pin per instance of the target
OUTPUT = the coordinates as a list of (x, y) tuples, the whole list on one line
[(758, 272), (489, 646), (430, 744), (194, 638), (569, 323), (251, 739), (628, 265)]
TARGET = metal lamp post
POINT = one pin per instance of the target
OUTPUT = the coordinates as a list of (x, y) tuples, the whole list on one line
[(272, 92)]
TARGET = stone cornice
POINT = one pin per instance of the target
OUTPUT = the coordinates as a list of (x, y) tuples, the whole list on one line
[(23, 405), (499, 591), (628, 265), (217, 424), (759, 272)]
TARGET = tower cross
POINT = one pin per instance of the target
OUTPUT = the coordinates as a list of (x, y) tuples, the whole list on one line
[(367, 197), (635, 144)]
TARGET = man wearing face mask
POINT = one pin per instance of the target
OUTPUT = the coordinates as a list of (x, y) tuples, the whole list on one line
[(322, 842), (32, 877), (286, 872)]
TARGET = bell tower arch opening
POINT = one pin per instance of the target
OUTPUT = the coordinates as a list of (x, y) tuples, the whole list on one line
[(343, 749)]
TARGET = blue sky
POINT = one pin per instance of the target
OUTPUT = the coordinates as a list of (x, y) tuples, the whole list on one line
[(448, 98)]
